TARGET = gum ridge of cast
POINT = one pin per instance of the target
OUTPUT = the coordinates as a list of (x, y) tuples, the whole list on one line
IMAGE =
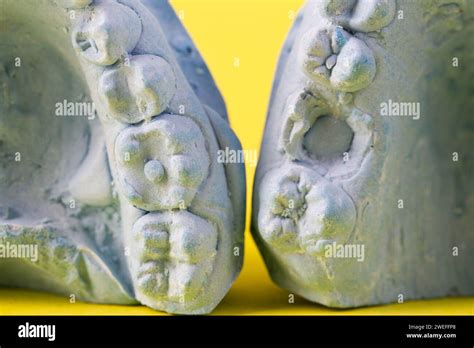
[(162, 160), (303, 209)]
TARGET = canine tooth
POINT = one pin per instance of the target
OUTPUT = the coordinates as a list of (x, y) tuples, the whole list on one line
[(106, 32), (169, 166), (140, 90)]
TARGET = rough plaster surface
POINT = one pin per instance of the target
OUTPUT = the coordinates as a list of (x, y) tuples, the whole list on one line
[(352, 207), (130, 206)]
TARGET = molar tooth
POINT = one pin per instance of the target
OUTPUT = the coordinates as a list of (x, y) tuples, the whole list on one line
[(138, 91), (106, 32), (185, 266), (158, 177)]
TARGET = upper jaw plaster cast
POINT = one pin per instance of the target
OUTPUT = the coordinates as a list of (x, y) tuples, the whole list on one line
[(132, 205), (353, 204)]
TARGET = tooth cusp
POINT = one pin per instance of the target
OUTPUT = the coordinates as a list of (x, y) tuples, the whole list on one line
[(170, 161)]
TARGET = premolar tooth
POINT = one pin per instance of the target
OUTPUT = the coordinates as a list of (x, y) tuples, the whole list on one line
[(107, 32), (140, 90)]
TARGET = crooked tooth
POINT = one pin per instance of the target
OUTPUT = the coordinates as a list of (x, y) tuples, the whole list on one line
[(106, 32), (74, 4), (355, 68), (167, 162), (337, 59), (139, 90)]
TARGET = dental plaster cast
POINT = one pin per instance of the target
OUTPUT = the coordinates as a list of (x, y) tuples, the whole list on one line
[(354, 203), (130, 206)]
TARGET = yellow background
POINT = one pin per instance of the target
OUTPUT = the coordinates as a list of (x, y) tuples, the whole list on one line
[(252, 33)]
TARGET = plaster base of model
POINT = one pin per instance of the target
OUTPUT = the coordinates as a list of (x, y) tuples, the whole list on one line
[(128, 202), (357, 202)]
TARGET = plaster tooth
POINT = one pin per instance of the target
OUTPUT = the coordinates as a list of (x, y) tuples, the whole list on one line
[(336, 7), (359, 15), (74, 4), (322, 212), (138, 90), (105, 32), (355, 68), (335, 58), (187, 245), (170, 161), (330, 216), (372, 15), (315, 48)]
